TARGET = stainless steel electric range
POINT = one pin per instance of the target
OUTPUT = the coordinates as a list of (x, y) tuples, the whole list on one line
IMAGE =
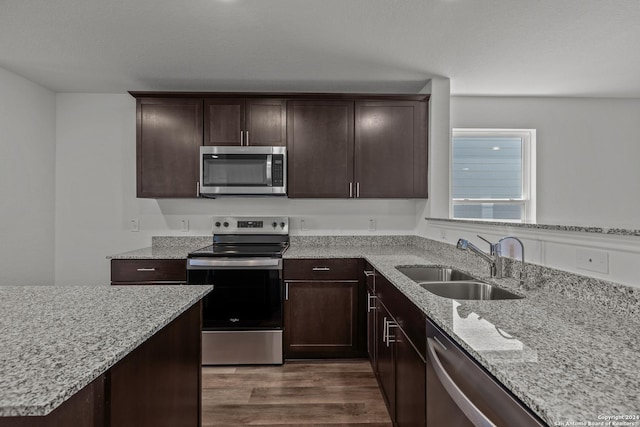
[(242, 316)]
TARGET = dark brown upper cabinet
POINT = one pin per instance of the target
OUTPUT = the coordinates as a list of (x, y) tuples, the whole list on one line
[(357, 149), (169, 136), (238, 121), (390, 149), (320, 149)]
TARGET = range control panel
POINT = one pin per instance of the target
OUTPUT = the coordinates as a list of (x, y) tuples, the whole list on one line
[(250, 225)]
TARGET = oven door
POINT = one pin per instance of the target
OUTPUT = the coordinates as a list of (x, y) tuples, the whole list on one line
[(246, 295), (242, 170)]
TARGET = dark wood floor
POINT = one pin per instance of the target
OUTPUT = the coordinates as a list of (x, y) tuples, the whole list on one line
[(323, 393)]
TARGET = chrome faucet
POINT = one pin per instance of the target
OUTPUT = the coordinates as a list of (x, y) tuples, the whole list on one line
[(523, 270), (493, 258)]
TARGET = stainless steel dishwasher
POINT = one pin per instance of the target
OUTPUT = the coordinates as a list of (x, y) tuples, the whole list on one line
[(461, 393)]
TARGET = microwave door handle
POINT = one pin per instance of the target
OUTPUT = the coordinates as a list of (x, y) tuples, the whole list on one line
[(268, 170)]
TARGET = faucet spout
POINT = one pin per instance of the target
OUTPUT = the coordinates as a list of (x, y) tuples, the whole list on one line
[(493, 259), (523, 271)]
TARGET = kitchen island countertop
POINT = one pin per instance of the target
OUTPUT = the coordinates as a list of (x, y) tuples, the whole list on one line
[(56, 340)]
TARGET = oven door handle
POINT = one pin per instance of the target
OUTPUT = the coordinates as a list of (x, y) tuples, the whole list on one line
[(226, 263)]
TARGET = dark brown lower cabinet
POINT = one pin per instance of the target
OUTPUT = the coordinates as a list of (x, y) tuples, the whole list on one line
[(157, 384), (411, 399), (369, 278), (321, 319), (385, 366)]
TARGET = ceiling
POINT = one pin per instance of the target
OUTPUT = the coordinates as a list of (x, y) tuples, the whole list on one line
[(486, 47)]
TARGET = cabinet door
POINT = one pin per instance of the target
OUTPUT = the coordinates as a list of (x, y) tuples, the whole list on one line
[(385, 360), (369, 273), (224, 121), (411, 377), (320, 146), (321, 319), (169, 136), (266, 122), (390, 149)]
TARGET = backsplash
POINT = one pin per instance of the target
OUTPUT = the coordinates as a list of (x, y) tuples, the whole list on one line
[(194, 242)]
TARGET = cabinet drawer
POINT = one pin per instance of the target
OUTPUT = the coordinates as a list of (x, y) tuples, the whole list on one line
[(321, 269), (148, 270)]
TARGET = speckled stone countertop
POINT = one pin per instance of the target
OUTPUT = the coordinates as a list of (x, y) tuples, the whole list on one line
[(569, 360), (617, 231), (167, 247), (56, 340)]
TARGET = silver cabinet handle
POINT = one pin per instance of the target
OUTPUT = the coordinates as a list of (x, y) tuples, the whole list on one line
[(146, 269), (464, 403), (241, 138), (321, 268), (286, 291), (247, 138), (391, 338), (369, 306), (358, 189), (369, 273), (385, 331), (350, 189), (198, 189)]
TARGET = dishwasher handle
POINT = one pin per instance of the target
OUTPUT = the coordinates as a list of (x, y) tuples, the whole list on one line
[(472, 412)]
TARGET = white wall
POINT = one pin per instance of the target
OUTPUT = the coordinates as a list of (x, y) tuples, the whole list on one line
[(588, 174), (27, 171), (96, 186), (588, 151)]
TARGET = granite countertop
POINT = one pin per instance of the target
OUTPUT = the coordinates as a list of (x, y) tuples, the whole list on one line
[(56, 340), (167, 247), (567, 359)]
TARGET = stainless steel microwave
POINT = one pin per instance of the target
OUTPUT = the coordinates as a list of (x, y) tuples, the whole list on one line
[(237, 171)]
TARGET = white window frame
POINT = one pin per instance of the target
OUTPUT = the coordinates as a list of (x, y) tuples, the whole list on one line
[(528, 199)]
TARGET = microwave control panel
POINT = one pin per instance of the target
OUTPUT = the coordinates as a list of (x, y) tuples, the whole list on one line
[(277, 171)]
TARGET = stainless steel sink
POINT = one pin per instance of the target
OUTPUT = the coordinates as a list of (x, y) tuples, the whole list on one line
[(451, 283), (433, 274), (472, 290)]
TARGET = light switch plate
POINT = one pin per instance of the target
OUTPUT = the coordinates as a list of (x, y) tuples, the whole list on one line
[(372, 225), (184, 225), (134, 225), (591, 260)]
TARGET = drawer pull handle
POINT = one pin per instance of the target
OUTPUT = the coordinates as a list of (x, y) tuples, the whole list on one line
[(146, 269), (369, 306), (321, 269), (465, 404), (369, 273)]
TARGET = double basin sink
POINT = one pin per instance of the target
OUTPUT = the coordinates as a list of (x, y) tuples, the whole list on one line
[(451, 283)]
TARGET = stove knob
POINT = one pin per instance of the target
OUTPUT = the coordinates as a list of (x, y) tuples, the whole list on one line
[(274, 224), (217, 223), (226, 224), (282, 224)]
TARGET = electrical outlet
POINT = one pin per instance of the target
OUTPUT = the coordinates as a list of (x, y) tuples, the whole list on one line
[(303, 225), (372, 225), (587, 259), (134, 225), (184, 225), (443, 234)]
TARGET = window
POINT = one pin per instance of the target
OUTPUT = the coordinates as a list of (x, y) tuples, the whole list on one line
[(493, 174)]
